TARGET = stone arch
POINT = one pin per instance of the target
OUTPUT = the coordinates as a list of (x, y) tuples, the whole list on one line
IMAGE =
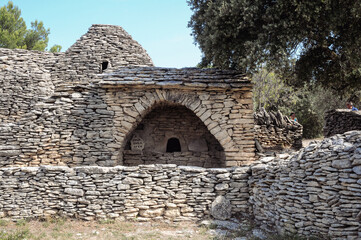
[(128, 117), (197, 146), (151, 99)]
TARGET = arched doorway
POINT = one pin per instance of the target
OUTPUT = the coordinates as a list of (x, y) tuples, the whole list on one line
[(172, 134)]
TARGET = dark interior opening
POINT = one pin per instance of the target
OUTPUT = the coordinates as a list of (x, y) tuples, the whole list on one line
[(104, 65), (140, 127), (173, 145)]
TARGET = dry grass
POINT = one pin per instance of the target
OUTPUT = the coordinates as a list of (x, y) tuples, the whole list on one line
[(64, 229)]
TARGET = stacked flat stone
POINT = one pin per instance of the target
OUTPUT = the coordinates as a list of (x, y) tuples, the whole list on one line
[(25, 79), (200, 79), (275, 131), (146, 192), (222, 100), (341, 120), (45, 96), (316, 191), (58, 110)]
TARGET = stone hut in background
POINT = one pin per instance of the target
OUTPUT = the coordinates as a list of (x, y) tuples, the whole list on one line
[(102, 102)]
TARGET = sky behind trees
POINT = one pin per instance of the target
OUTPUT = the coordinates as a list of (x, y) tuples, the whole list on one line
[(160, 26)]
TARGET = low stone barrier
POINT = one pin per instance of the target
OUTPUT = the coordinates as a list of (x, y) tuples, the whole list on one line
[(273, 130), (314, 192), (146, 192), (341, 120)]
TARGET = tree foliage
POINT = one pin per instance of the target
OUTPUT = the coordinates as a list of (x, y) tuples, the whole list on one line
[(270, 90), (14, 33), (323, 35), (308, 102), (55, 48)]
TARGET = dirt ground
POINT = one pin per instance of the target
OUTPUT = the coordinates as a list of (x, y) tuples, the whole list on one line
[(65, 229), (306, 142)]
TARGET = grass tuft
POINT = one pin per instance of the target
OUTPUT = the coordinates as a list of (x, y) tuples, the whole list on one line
[(17, 235)]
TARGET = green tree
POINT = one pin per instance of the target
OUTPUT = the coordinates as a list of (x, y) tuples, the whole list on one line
[(323, 35), (270, 90), (14, 33), (310, 104), (55, 48), (12, 27)]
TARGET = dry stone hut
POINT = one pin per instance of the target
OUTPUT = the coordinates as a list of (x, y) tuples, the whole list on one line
[(102, 102)]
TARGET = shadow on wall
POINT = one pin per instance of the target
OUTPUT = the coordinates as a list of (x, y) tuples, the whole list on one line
[(172, 134)]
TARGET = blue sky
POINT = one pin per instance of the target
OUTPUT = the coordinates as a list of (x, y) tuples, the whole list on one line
[(160, 26)]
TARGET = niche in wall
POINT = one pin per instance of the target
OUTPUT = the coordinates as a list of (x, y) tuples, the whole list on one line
[(173, 134)]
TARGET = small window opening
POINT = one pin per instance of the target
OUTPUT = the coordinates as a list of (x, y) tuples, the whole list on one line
[(104, 65), (173, 145)]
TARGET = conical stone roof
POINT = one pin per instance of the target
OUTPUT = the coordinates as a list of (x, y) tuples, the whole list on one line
[(108, 43)]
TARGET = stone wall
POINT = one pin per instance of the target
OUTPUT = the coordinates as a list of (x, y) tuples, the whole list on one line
[(44, 97), (315, 191), (275, 131), (25, 79), (340, 121), (148, 192)]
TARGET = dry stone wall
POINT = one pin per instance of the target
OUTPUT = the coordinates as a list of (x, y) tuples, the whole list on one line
[(51, 111), (25, 79), (89, 124), (57, 109), (147, 192), (316, 191), (273, 130), (102, 44), (340, 121)]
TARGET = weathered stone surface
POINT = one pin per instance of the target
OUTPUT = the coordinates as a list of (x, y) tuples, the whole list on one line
[(83, 107), (357, 170), (340, 121), (341, 164), (172, 213), (75, 192), (147, 191), (275, 131), (134, 181), (221, 208), (314, 190), (151, 213)]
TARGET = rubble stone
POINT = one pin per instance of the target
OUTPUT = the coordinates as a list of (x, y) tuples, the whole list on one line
[(338, 121), (276, 131)]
